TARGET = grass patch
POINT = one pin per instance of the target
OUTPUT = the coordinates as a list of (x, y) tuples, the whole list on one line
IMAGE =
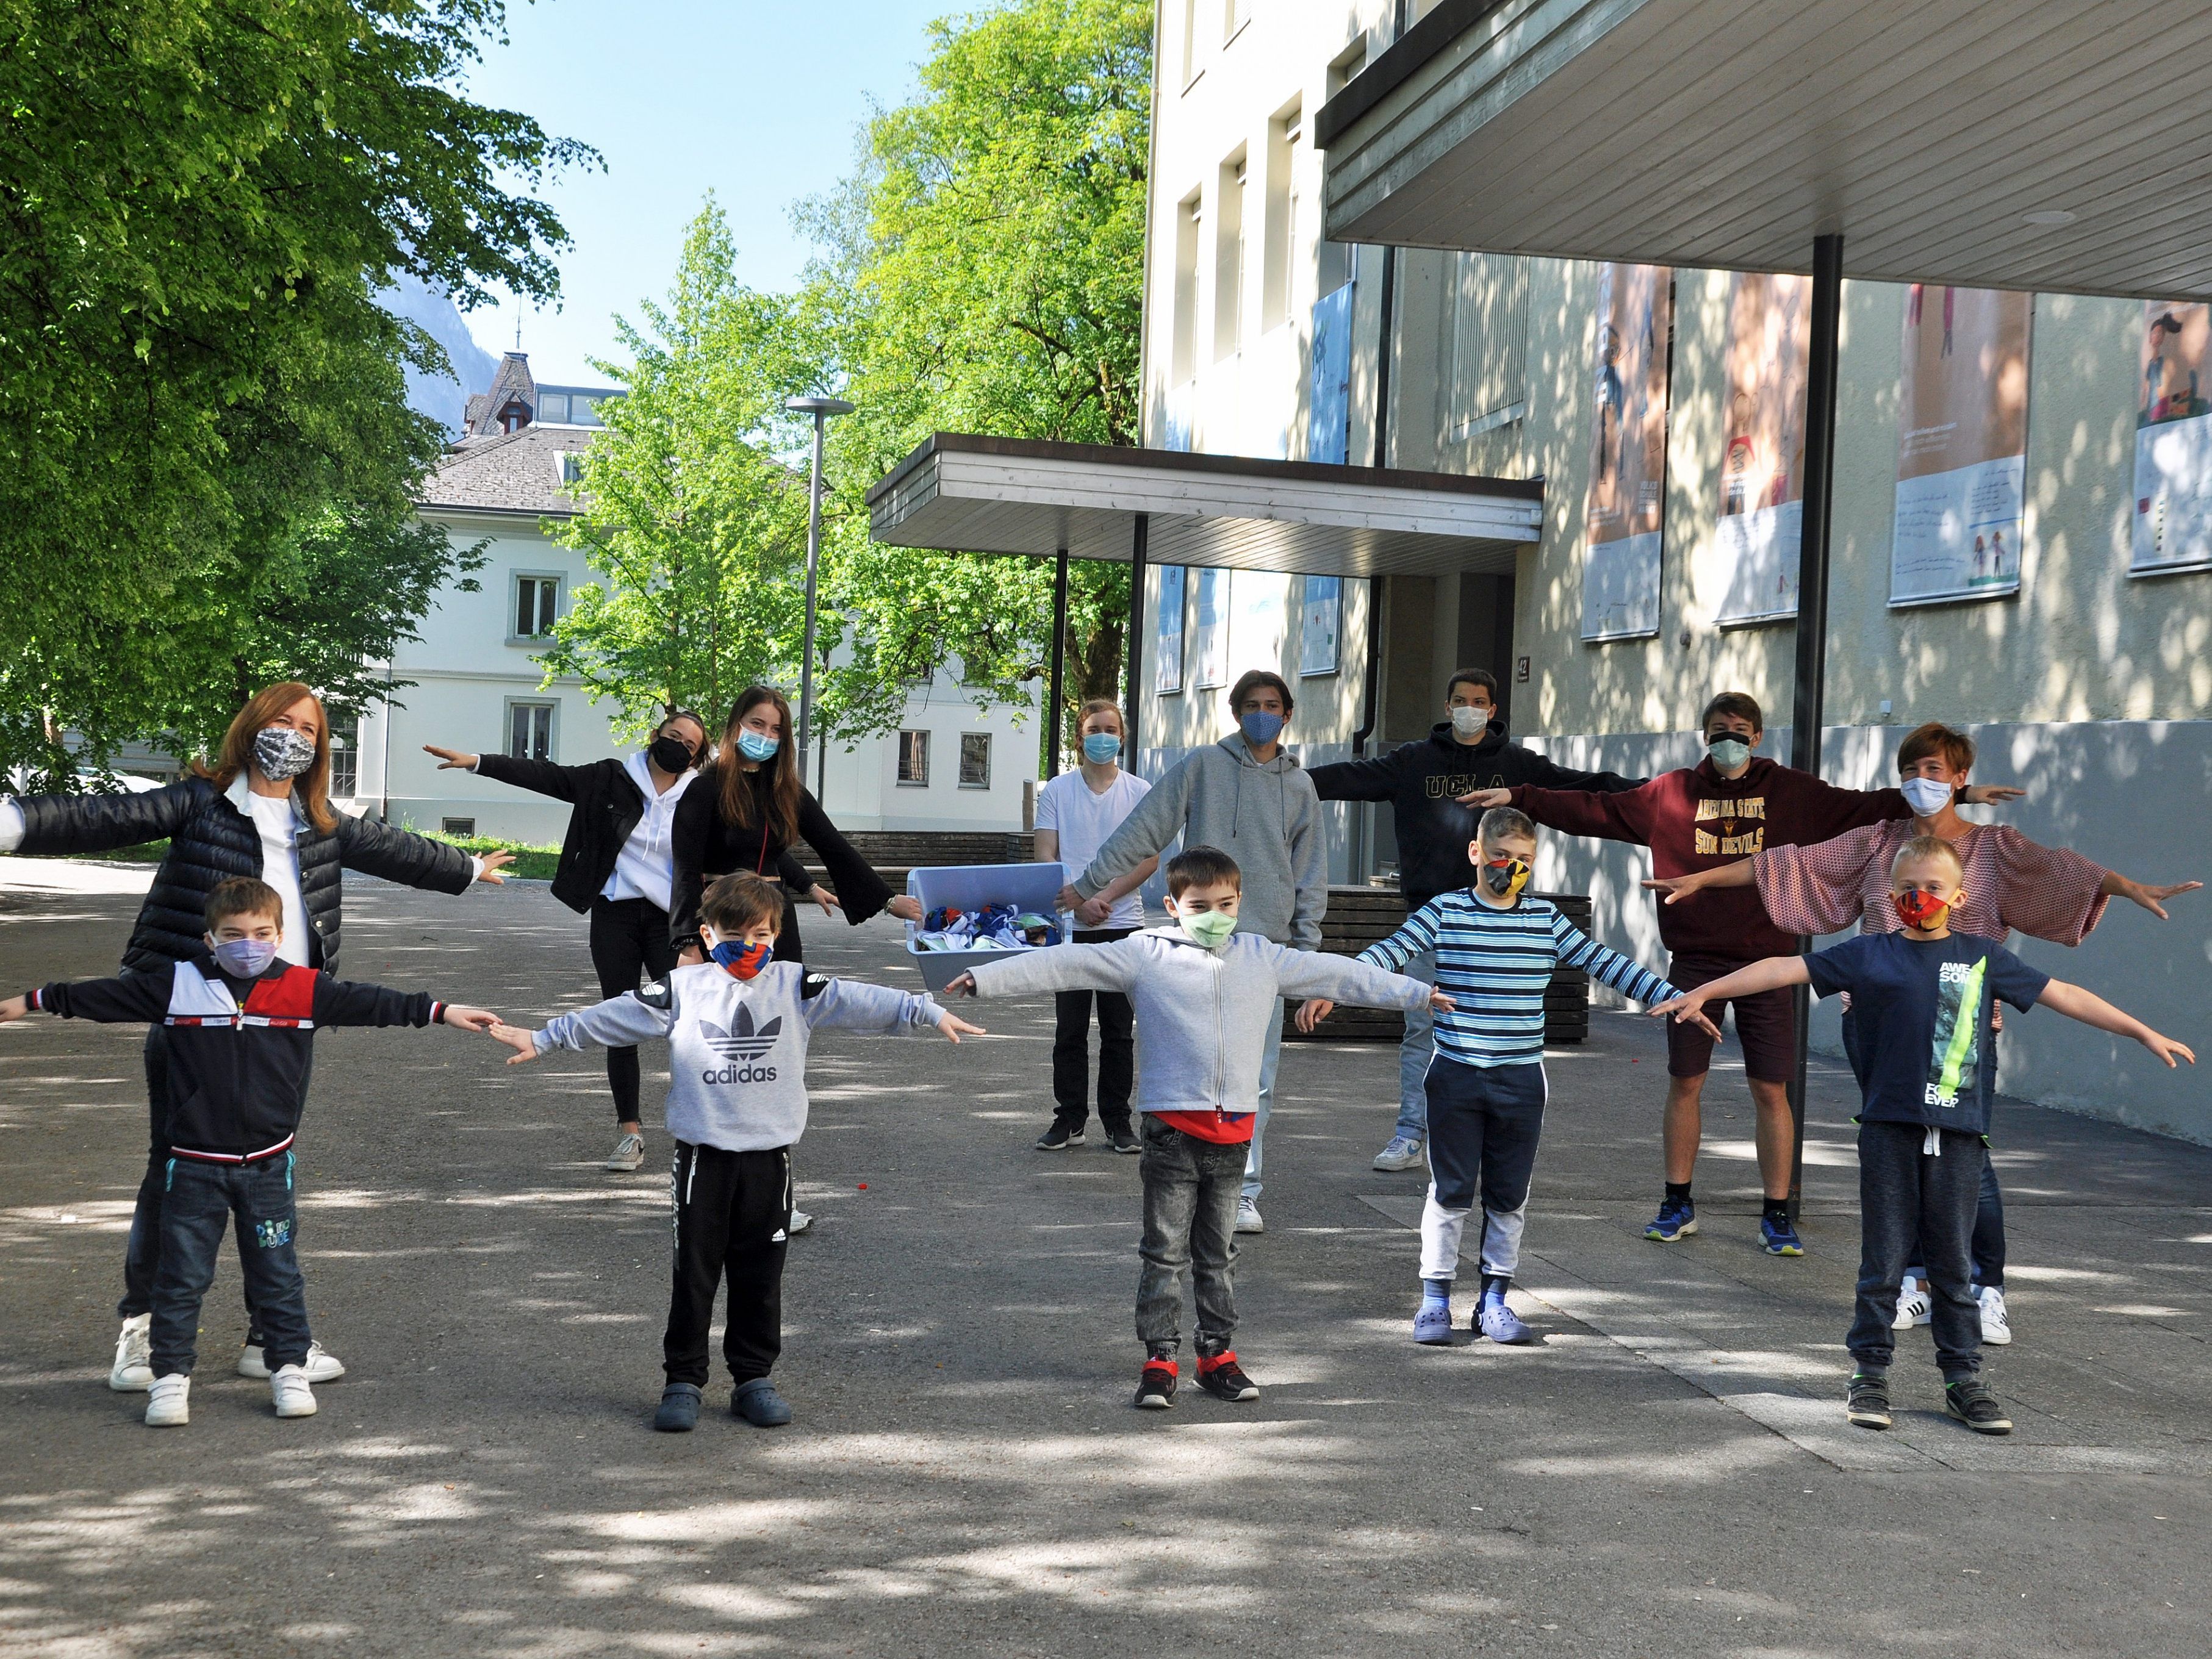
[(530, 863), (152, 852)]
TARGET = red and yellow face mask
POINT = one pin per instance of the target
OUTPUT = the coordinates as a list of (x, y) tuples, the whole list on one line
[(1505, 877), (1920, 908)]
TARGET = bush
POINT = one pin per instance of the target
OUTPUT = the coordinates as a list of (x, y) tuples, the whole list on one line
[(530, 863)]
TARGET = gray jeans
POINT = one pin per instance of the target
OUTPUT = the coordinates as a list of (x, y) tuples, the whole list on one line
[(1191, 1188), (1904, 1193)]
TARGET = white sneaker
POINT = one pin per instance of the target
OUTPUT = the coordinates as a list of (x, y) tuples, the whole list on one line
[(290, 1389), (1403, 1153), (1997, 1327), (1913, 1305), (629, 1153), (133, 1370), (800, 1221), (1247, 1217), (321, 1367), (168, 1401)]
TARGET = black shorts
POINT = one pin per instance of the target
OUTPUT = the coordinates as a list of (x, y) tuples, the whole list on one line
[(1766, 1024)]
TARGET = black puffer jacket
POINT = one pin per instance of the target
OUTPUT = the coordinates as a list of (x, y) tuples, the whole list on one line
[(211, 841)]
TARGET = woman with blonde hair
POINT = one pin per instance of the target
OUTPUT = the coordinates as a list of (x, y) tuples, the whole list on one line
[(262, 810)]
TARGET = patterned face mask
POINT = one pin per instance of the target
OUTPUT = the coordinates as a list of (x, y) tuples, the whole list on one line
[(743, 961), (1505, 877), (280, 753), (1922, 909)]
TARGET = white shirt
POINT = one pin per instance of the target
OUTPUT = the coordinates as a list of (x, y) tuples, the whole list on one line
[(1084, 819), (274, 819), (646, 867)]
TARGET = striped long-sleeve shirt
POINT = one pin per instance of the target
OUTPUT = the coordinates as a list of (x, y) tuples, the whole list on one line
[(1495, 964)]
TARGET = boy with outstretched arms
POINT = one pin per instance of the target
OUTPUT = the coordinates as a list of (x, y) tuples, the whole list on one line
[(240, 1031), (1921, 999), (1206, 998), (1495, 952), (738, 1027)]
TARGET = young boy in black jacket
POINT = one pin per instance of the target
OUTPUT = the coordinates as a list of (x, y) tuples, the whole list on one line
[(240, 1026)]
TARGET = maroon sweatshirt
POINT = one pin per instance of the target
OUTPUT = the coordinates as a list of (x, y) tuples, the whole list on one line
[(1695, 819)]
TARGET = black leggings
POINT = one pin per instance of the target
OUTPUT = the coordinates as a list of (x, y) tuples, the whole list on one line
[(628, 937)]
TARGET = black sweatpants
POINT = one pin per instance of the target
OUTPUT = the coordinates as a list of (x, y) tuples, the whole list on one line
[(1906, 1191), (733, 1217), (628, 937), (1070, 1049)]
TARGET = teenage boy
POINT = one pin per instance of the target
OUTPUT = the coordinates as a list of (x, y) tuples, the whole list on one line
[(1075, 814), (1728, 806), (1205, 996), (1495, 952), (738, 1027), (1465, 751), (240, 1027), (1922, 998), (1246, 796)]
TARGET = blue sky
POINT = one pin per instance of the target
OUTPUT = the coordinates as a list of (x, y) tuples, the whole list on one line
[(758, 102)]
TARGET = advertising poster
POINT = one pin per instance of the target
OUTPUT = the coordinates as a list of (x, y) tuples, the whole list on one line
[(1321, 621), (1961, 444), (1209, 628), (1628, 472), (1763, 465), (1167, 642), (2174, 443)]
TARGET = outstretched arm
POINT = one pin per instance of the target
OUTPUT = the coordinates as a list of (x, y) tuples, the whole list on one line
[(2151, 895), (1678, 888), (2091, 1009), (125, 1000), (1108, 966), (1770, 974)]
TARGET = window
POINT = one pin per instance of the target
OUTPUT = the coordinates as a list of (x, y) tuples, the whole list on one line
[(1320, 623), (1235, 14), (1184, 358), (537, 607), (553, 406), (1167, 639), (1209, 630), (529, 730), (975, 760), (345, 758), (1283, 135), (463, 828), (583, 411), (914, 760), (1190, 40), (569, 465), (1228, 260)]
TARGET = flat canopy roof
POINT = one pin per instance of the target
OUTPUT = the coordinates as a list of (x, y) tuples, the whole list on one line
[(2057, 145), (961, 493)]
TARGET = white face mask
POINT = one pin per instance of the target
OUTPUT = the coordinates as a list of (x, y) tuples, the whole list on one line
[(1925, 796), (1469, 721)]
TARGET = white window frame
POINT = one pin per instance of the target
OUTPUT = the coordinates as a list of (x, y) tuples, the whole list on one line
[(514, 580), (552, 707), (906, 748)]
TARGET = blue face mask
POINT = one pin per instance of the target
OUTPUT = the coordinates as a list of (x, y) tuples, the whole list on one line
[(756, 747), (1259, 729), (742, 960), (1100, 747), (1728, 752), (244, 958)]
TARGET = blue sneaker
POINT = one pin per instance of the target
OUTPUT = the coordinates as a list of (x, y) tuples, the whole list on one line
[(1432, 1324), (1499, 1322), (1779, 1237), (1677, 1218)]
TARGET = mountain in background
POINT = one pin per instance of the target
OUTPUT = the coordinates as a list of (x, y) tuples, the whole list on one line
[(443, 397)]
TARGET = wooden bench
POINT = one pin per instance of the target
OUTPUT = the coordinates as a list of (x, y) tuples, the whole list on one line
[(894, 852)]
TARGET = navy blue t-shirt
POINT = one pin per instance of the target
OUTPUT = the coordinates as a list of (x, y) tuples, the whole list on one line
[(1925, 1051)]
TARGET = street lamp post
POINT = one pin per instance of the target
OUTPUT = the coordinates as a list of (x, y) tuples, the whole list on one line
[(821, 408)]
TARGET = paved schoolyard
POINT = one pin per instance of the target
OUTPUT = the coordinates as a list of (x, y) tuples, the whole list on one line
[(1668, 1474)]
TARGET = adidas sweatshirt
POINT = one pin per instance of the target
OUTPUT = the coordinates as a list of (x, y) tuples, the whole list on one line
[(737, 1048)]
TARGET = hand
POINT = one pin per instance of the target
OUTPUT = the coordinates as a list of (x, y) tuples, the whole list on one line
[(963, 986), (1988, 794), (14, 1009), (1093, 912), (1676, 888), (493, 864), (451, 760), (2152, 896), (469, 1019), (1685, 1008), (1702, 1020), (905, 907), (1311, 1012), (2166, 1048), (525, 1043), (822, 896), (1068, 898), (955, 1027), (1486, 799), (1440, 1002), (689, 956)]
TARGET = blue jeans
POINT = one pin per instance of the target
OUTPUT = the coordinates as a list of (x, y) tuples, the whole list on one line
[(1415, 1050), (1270, 1057), (198, 1204)]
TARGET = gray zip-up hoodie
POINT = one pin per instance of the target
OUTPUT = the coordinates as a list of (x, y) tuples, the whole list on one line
[(1202, 1015), (737, 1048), (1266, 816)]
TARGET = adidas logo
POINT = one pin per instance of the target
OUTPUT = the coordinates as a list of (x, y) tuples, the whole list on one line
[(743, 1043)]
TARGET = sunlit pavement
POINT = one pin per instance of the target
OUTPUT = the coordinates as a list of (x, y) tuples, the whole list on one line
[(1668, 1474)]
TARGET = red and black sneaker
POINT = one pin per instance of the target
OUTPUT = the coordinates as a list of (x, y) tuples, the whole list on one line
[(1155, 1385), (1220, 1376)]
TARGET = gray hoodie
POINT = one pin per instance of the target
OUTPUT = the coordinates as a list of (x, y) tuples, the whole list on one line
[(1265, 816), (737, 1048), (1202, 1015)]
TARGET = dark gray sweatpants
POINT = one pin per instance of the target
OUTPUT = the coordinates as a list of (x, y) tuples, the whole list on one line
[(1906, 1192)]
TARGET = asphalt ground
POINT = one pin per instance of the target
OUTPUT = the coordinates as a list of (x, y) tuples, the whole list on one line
[(1667, 1472)]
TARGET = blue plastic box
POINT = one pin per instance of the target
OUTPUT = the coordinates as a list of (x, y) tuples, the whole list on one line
[(1027, 887)]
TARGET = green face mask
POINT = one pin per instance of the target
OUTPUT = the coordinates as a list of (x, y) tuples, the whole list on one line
[(1210, 928)]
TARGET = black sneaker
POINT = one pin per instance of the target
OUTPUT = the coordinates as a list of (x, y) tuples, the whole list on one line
[(1220, 1376), (1971, 1402), (1155, 1385), (1867, 1403), (1122, 1140), (1059, 1138)]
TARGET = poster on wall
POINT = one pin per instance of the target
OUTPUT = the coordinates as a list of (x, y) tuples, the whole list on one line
[(1628, 469), (1763, 465), (1258, 607), (1167, 638), (1329, 385), (1321, 613), (2174, 442), (1209, 628), (1961, 444)]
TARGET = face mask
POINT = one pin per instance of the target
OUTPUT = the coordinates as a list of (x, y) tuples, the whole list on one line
[(279, 753), (1925, 796), (1100, 747), (743, 961), (1210, 928), (244, 958), (756, 747), (1505, 877), (1728, 753), (1921, 908), (1259, 729), (669, 754), (1469, 721)]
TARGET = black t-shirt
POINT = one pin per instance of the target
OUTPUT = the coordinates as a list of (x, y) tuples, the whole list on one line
[(1923, 1008)]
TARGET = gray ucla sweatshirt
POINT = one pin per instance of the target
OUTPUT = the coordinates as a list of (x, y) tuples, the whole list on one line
[(1201, 1015), (737, 1048)]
